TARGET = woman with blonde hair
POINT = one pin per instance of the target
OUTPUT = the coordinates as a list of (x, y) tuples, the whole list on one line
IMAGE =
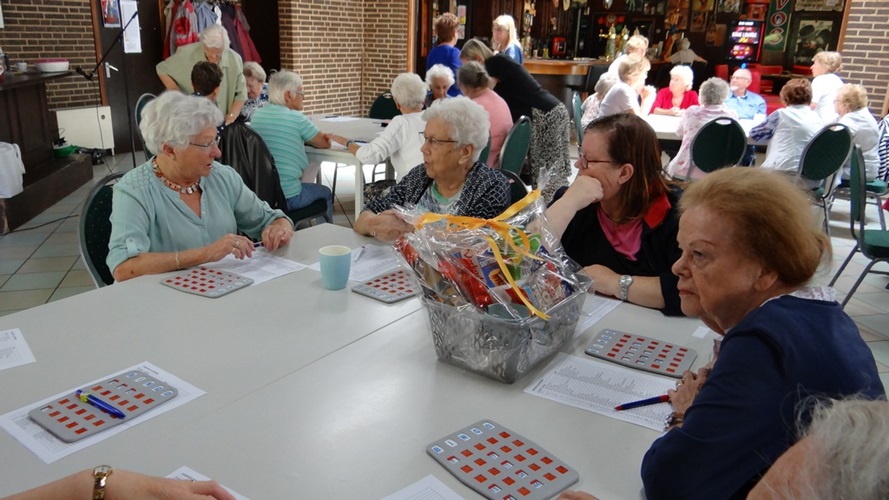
[(826, 84), (505, 40), (851, 104)]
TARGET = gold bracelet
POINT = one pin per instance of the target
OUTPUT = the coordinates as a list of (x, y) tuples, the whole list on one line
[(177, 261)]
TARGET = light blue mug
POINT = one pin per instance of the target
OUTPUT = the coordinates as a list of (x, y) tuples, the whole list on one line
[(336, 261)]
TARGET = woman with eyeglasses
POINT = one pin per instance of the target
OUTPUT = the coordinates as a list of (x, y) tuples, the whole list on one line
[(214, 46), (618, 218), (286, 131), (450, 180), (182, 208)]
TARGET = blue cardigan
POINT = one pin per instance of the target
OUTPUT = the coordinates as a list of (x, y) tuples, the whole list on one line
[(745, 415)]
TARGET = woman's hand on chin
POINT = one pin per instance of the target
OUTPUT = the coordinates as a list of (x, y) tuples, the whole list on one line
[(584, 191)]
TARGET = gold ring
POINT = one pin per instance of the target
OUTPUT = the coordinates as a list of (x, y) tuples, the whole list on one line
[(679, 383)]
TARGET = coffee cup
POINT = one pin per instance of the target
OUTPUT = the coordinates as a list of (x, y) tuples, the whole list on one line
[(336, 261)]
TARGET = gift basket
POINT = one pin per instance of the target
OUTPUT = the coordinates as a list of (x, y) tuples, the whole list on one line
[(502, 295)]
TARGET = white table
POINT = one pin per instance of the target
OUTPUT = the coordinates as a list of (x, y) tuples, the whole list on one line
[(665, 126), (229, 347), (365, 129), (355, 423)]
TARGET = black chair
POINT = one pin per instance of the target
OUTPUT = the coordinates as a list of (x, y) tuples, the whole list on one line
[(590, 80), (137, 115), (720, 143), (244, 150), (515, 146), (95, 229), (517, 188), (384, 108)]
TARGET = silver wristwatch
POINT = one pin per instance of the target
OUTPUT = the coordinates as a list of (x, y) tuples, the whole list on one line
[(625, 282)]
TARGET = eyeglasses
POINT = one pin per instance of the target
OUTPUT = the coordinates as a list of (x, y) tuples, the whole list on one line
[(433, 141), (214, 142), (584, 161)]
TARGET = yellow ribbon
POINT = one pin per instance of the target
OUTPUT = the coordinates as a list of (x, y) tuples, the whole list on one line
[(497, 224)]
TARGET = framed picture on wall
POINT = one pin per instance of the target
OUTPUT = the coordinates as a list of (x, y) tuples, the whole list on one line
[(811, 36), (728, 6), (110, 14), (699, 21)]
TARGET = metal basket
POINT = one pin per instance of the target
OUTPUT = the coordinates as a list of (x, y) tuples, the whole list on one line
[(502, 349)]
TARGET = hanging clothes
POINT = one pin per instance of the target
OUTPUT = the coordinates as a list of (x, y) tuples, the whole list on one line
[(206, 15), (183, 29), (228, 22), (243, 33)]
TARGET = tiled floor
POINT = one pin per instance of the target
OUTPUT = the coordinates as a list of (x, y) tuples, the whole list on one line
[(43, 263)]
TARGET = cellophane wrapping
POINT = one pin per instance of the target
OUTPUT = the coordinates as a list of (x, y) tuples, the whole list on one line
[(477, 314)]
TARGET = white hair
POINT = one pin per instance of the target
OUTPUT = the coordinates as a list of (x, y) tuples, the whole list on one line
[(440, 71), (714, 91), (685, 73), (281, 82), (173, 118), (468, 122), (254, 70), (409, 90), (850, 456), (215, 37)]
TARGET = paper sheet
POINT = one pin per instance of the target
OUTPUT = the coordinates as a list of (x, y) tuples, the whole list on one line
[(428, 488), (339, 119), (132, 41), (599, 386), (262, 267), (373, 261), (49, 448), (14, 351), (702, 331), (595, 307), (186, 474)]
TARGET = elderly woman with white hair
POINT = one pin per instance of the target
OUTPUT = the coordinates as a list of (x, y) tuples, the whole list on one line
[(175, 71), (286, 131), (714, 92), (257, 89), (678, 96), (826, 84), (590, 107), (400, 141), (181, 208), (851, 105), (440, 78), (504, 38), (451, 180)]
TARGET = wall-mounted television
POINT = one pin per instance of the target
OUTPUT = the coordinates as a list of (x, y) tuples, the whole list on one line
[(746, 40)]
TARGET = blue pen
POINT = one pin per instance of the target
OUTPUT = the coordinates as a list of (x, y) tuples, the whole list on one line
[(98, 403), (643, 402)]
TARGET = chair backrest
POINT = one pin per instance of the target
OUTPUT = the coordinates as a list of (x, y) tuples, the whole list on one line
[(755, 79), (515, 146), (137, 115), (483, 156), (592, 77), (578, 114), (384, 108), (95, 229), (826, 152), (701, 72), (517, 189), (244, 150), (720, 143)]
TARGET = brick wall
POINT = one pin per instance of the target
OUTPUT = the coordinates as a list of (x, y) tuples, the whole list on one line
[(322, 40), (38, 29), (866, 49)]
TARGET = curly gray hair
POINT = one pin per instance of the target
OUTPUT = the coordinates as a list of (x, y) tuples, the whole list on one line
[(685, 73), (174, 118), (606, 81), (467, 120), (409, 90), (440, 71), (215, 37), (713, 91), (281, 82)]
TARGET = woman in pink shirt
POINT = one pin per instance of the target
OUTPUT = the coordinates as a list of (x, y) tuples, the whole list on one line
[(474, 82)]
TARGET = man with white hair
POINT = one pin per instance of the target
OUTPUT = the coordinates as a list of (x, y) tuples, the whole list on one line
[(747, 104)]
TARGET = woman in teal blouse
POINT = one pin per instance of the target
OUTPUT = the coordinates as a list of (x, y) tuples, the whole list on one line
[(182, 208)]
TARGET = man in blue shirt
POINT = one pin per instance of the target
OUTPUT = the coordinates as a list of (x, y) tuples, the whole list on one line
[(746, 104)]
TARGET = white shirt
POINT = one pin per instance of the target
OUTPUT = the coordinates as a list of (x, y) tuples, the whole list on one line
[(619, 99), (400, 142), (866, 134), (824, 93), (790, 129)]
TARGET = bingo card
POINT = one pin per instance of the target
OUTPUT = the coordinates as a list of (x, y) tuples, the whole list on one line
[(500, 464), (133, 393), (642, 353), (389, 288), (207, 282)]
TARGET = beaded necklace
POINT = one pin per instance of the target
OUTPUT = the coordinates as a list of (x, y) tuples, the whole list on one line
[(194, 188)]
